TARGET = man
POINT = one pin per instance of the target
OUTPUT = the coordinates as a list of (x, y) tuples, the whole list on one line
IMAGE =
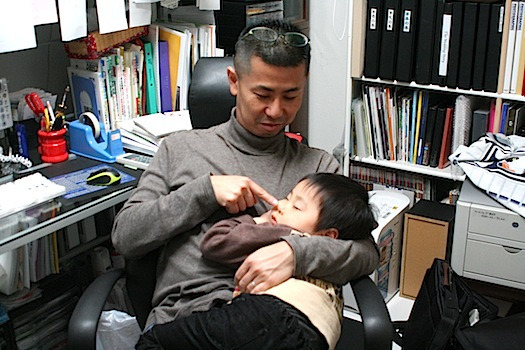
[(199, 177)]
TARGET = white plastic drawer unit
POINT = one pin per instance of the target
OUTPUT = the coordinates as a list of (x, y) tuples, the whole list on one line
[(489, 240)]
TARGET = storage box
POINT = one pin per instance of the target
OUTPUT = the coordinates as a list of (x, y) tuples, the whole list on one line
[(95, 44), (389, 208), (427, 235)]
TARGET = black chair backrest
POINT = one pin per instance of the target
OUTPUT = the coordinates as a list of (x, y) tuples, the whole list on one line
[(210, 103), (209, 98), (141, 278)]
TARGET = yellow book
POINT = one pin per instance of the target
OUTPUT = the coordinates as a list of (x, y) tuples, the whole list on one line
[(418, 120)]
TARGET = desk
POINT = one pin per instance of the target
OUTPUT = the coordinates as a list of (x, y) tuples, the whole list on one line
[(82, 206)]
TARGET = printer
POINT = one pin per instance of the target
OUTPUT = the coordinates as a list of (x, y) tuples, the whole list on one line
[(389, 207), (489, 240)]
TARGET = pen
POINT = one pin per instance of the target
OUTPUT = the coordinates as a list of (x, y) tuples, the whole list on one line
[(51, 113), (46, 118)]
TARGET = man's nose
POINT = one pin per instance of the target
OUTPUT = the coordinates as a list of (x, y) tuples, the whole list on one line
[(275, 109)]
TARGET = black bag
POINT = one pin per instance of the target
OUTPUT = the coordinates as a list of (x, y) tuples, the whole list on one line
[(444, 305)]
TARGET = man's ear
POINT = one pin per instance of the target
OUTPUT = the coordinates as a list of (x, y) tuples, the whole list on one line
[(330, 232), (233, 79)]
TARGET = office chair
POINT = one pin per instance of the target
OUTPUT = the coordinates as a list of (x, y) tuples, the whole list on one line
[(209, 98)]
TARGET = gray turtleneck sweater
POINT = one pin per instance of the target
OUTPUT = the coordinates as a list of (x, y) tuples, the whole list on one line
[(174, 200)]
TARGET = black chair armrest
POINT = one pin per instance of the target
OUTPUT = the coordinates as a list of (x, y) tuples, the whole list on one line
[(378, 329), (83, 323)]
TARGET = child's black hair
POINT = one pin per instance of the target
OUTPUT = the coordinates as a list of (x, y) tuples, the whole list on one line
[(343, 205)]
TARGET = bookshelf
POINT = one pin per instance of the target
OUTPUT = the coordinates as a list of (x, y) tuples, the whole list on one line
[(338, 80)]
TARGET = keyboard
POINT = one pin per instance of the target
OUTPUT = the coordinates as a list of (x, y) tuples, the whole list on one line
[(140, 161), (27, 192)]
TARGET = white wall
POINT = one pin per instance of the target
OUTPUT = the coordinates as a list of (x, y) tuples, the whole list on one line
[(327, 98)]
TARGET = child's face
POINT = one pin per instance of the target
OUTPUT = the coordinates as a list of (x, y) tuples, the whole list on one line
[(299, 210)]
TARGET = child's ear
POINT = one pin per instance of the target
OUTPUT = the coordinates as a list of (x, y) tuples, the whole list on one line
[(331, 232)]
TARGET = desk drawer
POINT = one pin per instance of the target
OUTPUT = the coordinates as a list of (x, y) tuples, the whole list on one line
[(495, 260), (496, 222)]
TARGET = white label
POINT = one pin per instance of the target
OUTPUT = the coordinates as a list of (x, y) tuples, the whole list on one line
[(407, 15), (501, 18), (390, 20), (373, 18), (445, 41)]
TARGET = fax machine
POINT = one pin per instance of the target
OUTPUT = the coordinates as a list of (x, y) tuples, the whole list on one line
[(489, 240)]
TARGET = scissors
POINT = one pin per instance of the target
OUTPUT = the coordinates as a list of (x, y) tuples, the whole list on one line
[(35, 103)]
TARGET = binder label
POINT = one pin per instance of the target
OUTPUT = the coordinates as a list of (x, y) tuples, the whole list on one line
[(407, 15), (501, 18), (390, 20), (373, 18), (445, 40)]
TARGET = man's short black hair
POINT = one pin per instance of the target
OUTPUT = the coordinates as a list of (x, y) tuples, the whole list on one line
[(343, 205), (277, 53)]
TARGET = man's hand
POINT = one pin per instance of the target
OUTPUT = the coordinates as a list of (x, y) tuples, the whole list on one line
[(236, 193), (265, 268)]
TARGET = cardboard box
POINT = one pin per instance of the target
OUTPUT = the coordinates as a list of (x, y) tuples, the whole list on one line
[(427, 235)]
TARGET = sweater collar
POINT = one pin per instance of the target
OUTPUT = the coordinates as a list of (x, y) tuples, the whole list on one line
[(247, 142)]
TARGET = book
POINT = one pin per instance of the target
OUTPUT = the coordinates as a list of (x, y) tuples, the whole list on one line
[(446, 141), (425, 38), (361, 147), (358, 38), (511, 120), (495, 34), (429, 134), (422, 131), (407, 41), (521, 60), (413, 121), (480, 120), (462, 121), (516, 74), (415, 147), (480, 54), (162, 124), (151, 86), (165, 79), (437, 137), (373, 38), (503, 121), (89, 93), (389, 38), (511, 41), (468, 40), (519, 123), (455, 43)]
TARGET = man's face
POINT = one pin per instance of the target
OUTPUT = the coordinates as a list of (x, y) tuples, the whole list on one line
[(299, 210), (268, 97)]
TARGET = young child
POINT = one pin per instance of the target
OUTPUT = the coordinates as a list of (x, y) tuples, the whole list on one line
[(324, 205)]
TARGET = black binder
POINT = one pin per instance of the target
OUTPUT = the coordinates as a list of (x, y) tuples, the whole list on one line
[(373, 38), (438, 33), (455, 44), (468, 41), (480, 55), (389, 37), (439, 126), (425, 39), (406, 47), (494, 47)]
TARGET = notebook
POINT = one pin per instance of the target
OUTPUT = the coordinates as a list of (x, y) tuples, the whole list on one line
[(162, 124)]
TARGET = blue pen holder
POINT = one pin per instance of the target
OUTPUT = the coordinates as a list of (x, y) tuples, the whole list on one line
[(105, 148)]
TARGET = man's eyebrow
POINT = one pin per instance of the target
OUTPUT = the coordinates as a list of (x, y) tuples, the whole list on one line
[(266, 88)]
